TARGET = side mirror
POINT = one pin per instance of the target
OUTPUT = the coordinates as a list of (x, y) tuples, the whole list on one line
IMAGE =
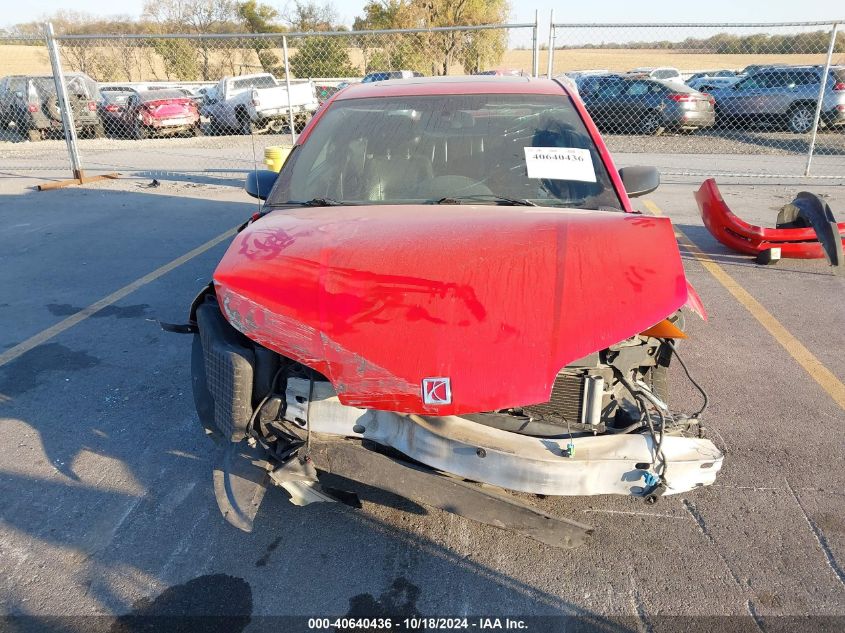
[(259, 183), (639, 180)]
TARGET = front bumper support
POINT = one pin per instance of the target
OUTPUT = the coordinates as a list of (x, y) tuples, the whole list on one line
[(600, 464)]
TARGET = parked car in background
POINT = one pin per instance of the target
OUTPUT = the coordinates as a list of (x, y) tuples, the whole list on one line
[(755, 68), (666, 73), (783, 96), (197, 95), (252, 104), (110, 109), (589, 82), (325, 91), (29, 103), (648, 106), (384, 75), (711, 73), (160, 113), (570, 84), (500, 72), (706, 81)]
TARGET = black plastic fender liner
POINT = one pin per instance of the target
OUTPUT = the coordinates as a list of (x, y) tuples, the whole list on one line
[(351, 460), (240, 483), (229, 369), (203, 401), (808, 210)]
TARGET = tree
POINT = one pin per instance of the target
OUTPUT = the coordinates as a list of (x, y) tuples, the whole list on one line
[(179, 57), (452, 46), (197, 17), (441, 50), (307, 16), (402, 51), (318, 56), (261, 18), (322, 56)]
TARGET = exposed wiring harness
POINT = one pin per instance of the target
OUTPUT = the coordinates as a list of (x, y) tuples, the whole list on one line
[(703, 393), (647, 400), (643, 397)]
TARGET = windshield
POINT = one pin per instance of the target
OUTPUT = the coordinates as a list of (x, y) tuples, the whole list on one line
[(76, 85), (262, 81), (396, 150)]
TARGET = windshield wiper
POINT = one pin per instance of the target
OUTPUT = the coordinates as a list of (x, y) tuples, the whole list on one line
[(517, 202), (319, 202)]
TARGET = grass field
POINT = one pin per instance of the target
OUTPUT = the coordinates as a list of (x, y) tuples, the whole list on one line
[(16, 59)]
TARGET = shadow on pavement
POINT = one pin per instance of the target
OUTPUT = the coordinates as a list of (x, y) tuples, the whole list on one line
[(107, 491)]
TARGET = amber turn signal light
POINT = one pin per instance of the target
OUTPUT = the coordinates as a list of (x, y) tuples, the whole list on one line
[(664, 329)]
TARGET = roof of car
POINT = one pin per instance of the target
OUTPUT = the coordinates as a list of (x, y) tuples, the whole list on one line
[(161, 93), (464, 84)]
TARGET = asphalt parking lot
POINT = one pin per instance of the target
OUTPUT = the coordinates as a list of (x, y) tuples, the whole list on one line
[(105, 474)]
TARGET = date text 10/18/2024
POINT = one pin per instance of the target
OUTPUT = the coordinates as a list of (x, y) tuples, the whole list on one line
[(418, 623)]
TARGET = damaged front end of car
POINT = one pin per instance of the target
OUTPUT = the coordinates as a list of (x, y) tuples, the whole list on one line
[(522, 351)]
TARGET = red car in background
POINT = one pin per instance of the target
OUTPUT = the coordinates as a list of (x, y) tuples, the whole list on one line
[(161, 113)]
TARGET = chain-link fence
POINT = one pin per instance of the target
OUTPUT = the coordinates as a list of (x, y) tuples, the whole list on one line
[(746, 99), (209, 105), (25, 63)]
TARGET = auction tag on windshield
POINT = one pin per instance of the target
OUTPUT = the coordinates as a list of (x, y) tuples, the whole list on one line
[(560, 163)]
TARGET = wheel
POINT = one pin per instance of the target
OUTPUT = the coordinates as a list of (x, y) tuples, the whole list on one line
[(34, 135), (801, 119), (140, 132), (196, 130), (650, 124), (97, 131)]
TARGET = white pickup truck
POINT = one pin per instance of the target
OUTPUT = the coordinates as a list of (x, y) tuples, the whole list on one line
[(258, 103)]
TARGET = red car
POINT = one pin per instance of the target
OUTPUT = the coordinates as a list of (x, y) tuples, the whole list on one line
[(161, 113), (447, 289)]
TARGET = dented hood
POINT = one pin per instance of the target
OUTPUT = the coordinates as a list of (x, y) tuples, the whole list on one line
[(496, 299)]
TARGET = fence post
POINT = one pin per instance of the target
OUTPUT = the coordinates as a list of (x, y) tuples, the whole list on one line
[(63, 102), (820, 100), (291, 124), (551, 50), (535, 47)]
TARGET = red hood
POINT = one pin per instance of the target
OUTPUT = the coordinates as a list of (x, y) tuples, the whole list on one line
[(497, 299)]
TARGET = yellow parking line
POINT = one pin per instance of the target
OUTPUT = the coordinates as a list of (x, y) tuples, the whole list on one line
[(804, 357), (65, 324)]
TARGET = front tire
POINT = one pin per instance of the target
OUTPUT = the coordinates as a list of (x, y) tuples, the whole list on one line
[(801, 119), (650, 124)]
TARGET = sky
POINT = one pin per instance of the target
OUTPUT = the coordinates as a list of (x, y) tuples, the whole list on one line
[(523, 11)]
